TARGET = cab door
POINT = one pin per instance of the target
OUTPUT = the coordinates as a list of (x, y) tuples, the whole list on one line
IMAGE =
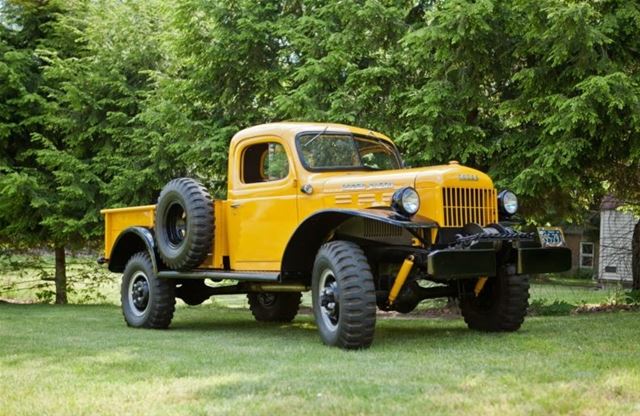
[(262, 204)]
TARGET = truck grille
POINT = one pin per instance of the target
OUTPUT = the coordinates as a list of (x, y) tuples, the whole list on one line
[(465, 205)]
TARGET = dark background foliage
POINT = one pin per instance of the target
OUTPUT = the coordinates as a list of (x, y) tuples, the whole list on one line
[(102, 102)]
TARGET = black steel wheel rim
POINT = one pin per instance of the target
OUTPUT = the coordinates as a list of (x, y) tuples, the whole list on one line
[(139, 293), (176, 224), (267, 299), (329, 299)]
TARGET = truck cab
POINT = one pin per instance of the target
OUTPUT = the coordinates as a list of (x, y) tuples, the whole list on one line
[(330, 208)]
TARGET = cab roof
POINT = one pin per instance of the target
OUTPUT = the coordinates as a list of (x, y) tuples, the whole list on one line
[(289, 129)]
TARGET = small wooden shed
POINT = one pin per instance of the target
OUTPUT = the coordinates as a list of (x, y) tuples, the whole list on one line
[(616, 234)]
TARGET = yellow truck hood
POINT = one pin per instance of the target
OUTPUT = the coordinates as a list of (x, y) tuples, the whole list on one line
[(360, 189), (453, 175)]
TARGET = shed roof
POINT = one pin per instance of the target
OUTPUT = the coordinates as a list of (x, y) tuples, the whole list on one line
[(610, 203)]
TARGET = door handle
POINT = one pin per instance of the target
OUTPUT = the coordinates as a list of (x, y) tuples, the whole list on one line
[(235, 205)]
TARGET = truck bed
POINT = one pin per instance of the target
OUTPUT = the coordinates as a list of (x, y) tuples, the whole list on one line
[(117, 220)]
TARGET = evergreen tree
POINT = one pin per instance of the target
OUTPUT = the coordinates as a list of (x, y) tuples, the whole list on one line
[(26, 191), (543, 93), (103, 102), (88, 64), (342, 62), (222, 72)]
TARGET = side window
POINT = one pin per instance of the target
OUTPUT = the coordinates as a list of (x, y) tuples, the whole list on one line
[(264, 162), (586, 255)]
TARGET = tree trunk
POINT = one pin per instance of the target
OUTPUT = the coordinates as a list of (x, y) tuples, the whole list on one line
[(61, 276), (635, 257)]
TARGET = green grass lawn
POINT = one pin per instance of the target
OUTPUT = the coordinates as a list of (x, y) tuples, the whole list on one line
[(215, 360)]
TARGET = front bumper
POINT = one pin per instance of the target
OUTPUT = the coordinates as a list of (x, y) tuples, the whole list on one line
[(543, 260), (461, 263), (458, 264)]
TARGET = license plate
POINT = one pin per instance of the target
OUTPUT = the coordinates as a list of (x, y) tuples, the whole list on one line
[(551, 237)]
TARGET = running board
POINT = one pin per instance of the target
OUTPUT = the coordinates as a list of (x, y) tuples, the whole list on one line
[(220, 275)]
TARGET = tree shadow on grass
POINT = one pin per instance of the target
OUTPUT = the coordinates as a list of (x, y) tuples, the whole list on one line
[(195, 323), (239, 330), (392, 331), (303, 329)]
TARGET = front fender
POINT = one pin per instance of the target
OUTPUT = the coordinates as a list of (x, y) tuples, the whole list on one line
[(300, 253), (129, 242)]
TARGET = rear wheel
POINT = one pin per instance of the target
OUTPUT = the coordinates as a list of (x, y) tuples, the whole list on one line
[(344, 300), (274, 307), (501, 305), (147, 302)]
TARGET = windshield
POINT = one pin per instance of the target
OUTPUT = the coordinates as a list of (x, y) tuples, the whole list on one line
[(327, 151)]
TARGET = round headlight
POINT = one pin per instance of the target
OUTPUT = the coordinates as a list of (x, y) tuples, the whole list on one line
[(508, 202), (405, 201)]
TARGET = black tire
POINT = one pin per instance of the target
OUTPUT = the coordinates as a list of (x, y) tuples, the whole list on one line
[(341, 274), (193, 292), (147, 302), (274, 307), (501, 305), (184, 224)]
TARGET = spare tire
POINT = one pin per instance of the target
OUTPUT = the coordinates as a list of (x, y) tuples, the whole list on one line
[(184, 224)]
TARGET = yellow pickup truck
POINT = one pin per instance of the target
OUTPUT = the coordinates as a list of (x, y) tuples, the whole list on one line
[(332, 209)]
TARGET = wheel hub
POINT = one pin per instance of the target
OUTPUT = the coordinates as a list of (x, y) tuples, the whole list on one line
[(330, 299), (267, 299), (176, 224), (139, 293)]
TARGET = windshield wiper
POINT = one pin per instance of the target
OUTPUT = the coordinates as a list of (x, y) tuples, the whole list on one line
[(315, 137)]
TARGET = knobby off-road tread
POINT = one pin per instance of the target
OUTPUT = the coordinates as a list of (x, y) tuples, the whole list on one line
[(509, 307), (162, 301), (357, 314), (284, 309), (198, 207)]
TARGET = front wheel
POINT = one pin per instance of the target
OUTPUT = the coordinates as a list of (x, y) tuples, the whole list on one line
[(501, 305), (344, 300), (147, 302)]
